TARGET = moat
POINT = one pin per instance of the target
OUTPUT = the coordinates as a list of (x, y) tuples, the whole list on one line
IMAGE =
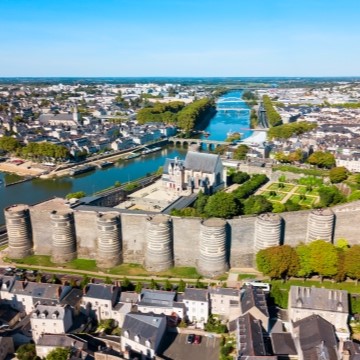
[(39, 190)]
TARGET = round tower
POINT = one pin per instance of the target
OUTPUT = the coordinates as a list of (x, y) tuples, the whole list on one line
[(63, 236), (212, 259), (109, 249), (159, 245), (18, 224), (267, 231), (320, 225)]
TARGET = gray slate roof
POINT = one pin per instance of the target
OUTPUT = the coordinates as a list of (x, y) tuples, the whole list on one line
[(317, 338), (319, 299), (250, 335), (283, 344), (157, 298), (201, 162), (253, 297), (195, 295), (102, 291), (146, 326)]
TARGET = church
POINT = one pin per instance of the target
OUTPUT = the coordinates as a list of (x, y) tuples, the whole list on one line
[(199, 171)]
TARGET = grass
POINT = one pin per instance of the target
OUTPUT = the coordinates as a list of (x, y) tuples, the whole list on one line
[(123, 269), (309, 201), (296, 170), (302, 190), (278, 197), (349, 286), (246, 276), (276, 186)]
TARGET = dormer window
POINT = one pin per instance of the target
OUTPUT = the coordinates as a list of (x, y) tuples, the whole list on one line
[(137, 338), (148, 343), (126, 334)]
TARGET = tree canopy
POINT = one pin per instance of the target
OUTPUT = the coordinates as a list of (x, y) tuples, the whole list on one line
[(272, 115), (338, 174), (322, 159), (223, 205), (285, 131)]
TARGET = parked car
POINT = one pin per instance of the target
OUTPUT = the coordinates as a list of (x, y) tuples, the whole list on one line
[(190, 338), (197, 339)]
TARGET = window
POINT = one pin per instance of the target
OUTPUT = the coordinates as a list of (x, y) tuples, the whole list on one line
[(126, 334), (106, 305), (137, 338)]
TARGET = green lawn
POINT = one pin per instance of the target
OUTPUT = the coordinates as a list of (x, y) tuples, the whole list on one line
[(286, 188), (309, 201), (278, 197), (302, 190), (349, 286)]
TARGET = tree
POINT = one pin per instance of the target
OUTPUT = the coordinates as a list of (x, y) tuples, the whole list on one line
[(9, 144), (222, 205), (58, 354), (153, 284), (257, 204), (305, 268), (181, 287), (291, 206), (272, 115), (279, 297), (330, 195), (323, 258), (138, 287), (168, 285), (201, 202), (233, 137), (26, 352), (240, 152), (352, 262), (278, 207), (338, 174), (239, 177), (322, 159), (278, 261)]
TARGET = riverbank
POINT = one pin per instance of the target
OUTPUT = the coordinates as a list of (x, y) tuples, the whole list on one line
[(28, 168)]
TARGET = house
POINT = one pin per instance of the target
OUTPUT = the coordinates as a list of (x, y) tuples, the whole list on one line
[(332, 305), (225, 302), (160, 302), (142, 334), (253, 301), (315, 338), (197, 305), (48, 319), (99, 300), (249, 338), (199, 171), (26, 294), (48, 342), (67, 119)]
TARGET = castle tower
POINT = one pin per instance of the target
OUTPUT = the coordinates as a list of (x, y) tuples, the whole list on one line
[(18, 224), (267, 231), (109, 248), (159, 245), (63, 236), (320, 225), (212, 259)]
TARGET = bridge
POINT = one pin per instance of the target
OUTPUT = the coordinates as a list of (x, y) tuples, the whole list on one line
[(210, 144), (231, 109), (229, 100)]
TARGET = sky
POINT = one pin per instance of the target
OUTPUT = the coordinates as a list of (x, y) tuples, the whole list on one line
[(179, 38)]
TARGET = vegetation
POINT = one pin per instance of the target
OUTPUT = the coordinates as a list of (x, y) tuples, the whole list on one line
[(254, 121), (26, 352), (9, 144), (75, 195), (285, 131), (233, 137), (338, 174), (250, 186), (272, 115), (223, 205), (214, 325), (319, 258), (240, 152), (58, 354), (322, 159), (176, 113)]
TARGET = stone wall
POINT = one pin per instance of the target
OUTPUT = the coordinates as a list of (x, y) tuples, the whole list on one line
[(186, 233)]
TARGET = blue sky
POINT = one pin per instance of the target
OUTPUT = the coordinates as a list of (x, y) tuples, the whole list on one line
[(179, 38)]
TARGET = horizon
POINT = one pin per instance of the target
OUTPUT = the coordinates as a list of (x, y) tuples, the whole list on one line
[(127, 38)]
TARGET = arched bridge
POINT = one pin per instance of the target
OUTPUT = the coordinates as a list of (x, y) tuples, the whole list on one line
[(210, 144), (229, 100), (231, 109)]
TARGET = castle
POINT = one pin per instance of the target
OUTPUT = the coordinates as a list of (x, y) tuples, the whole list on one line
[(112, 236)]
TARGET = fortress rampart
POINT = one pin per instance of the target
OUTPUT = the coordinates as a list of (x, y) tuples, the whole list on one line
[(111, 236)]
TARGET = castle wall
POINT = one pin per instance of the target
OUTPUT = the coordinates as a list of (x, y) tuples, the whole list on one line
[(133, 227), (185, 232), (186, 235), (241, 241)]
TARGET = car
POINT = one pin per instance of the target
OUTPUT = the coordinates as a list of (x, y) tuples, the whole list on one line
[(197, 339), (190, 338)]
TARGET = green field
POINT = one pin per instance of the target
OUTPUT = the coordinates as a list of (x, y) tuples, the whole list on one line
[(302, 190), (278, 197), (277, 186), (309, 201)]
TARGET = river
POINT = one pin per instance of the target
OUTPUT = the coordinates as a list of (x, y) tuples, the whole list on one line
[(39, 190)]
